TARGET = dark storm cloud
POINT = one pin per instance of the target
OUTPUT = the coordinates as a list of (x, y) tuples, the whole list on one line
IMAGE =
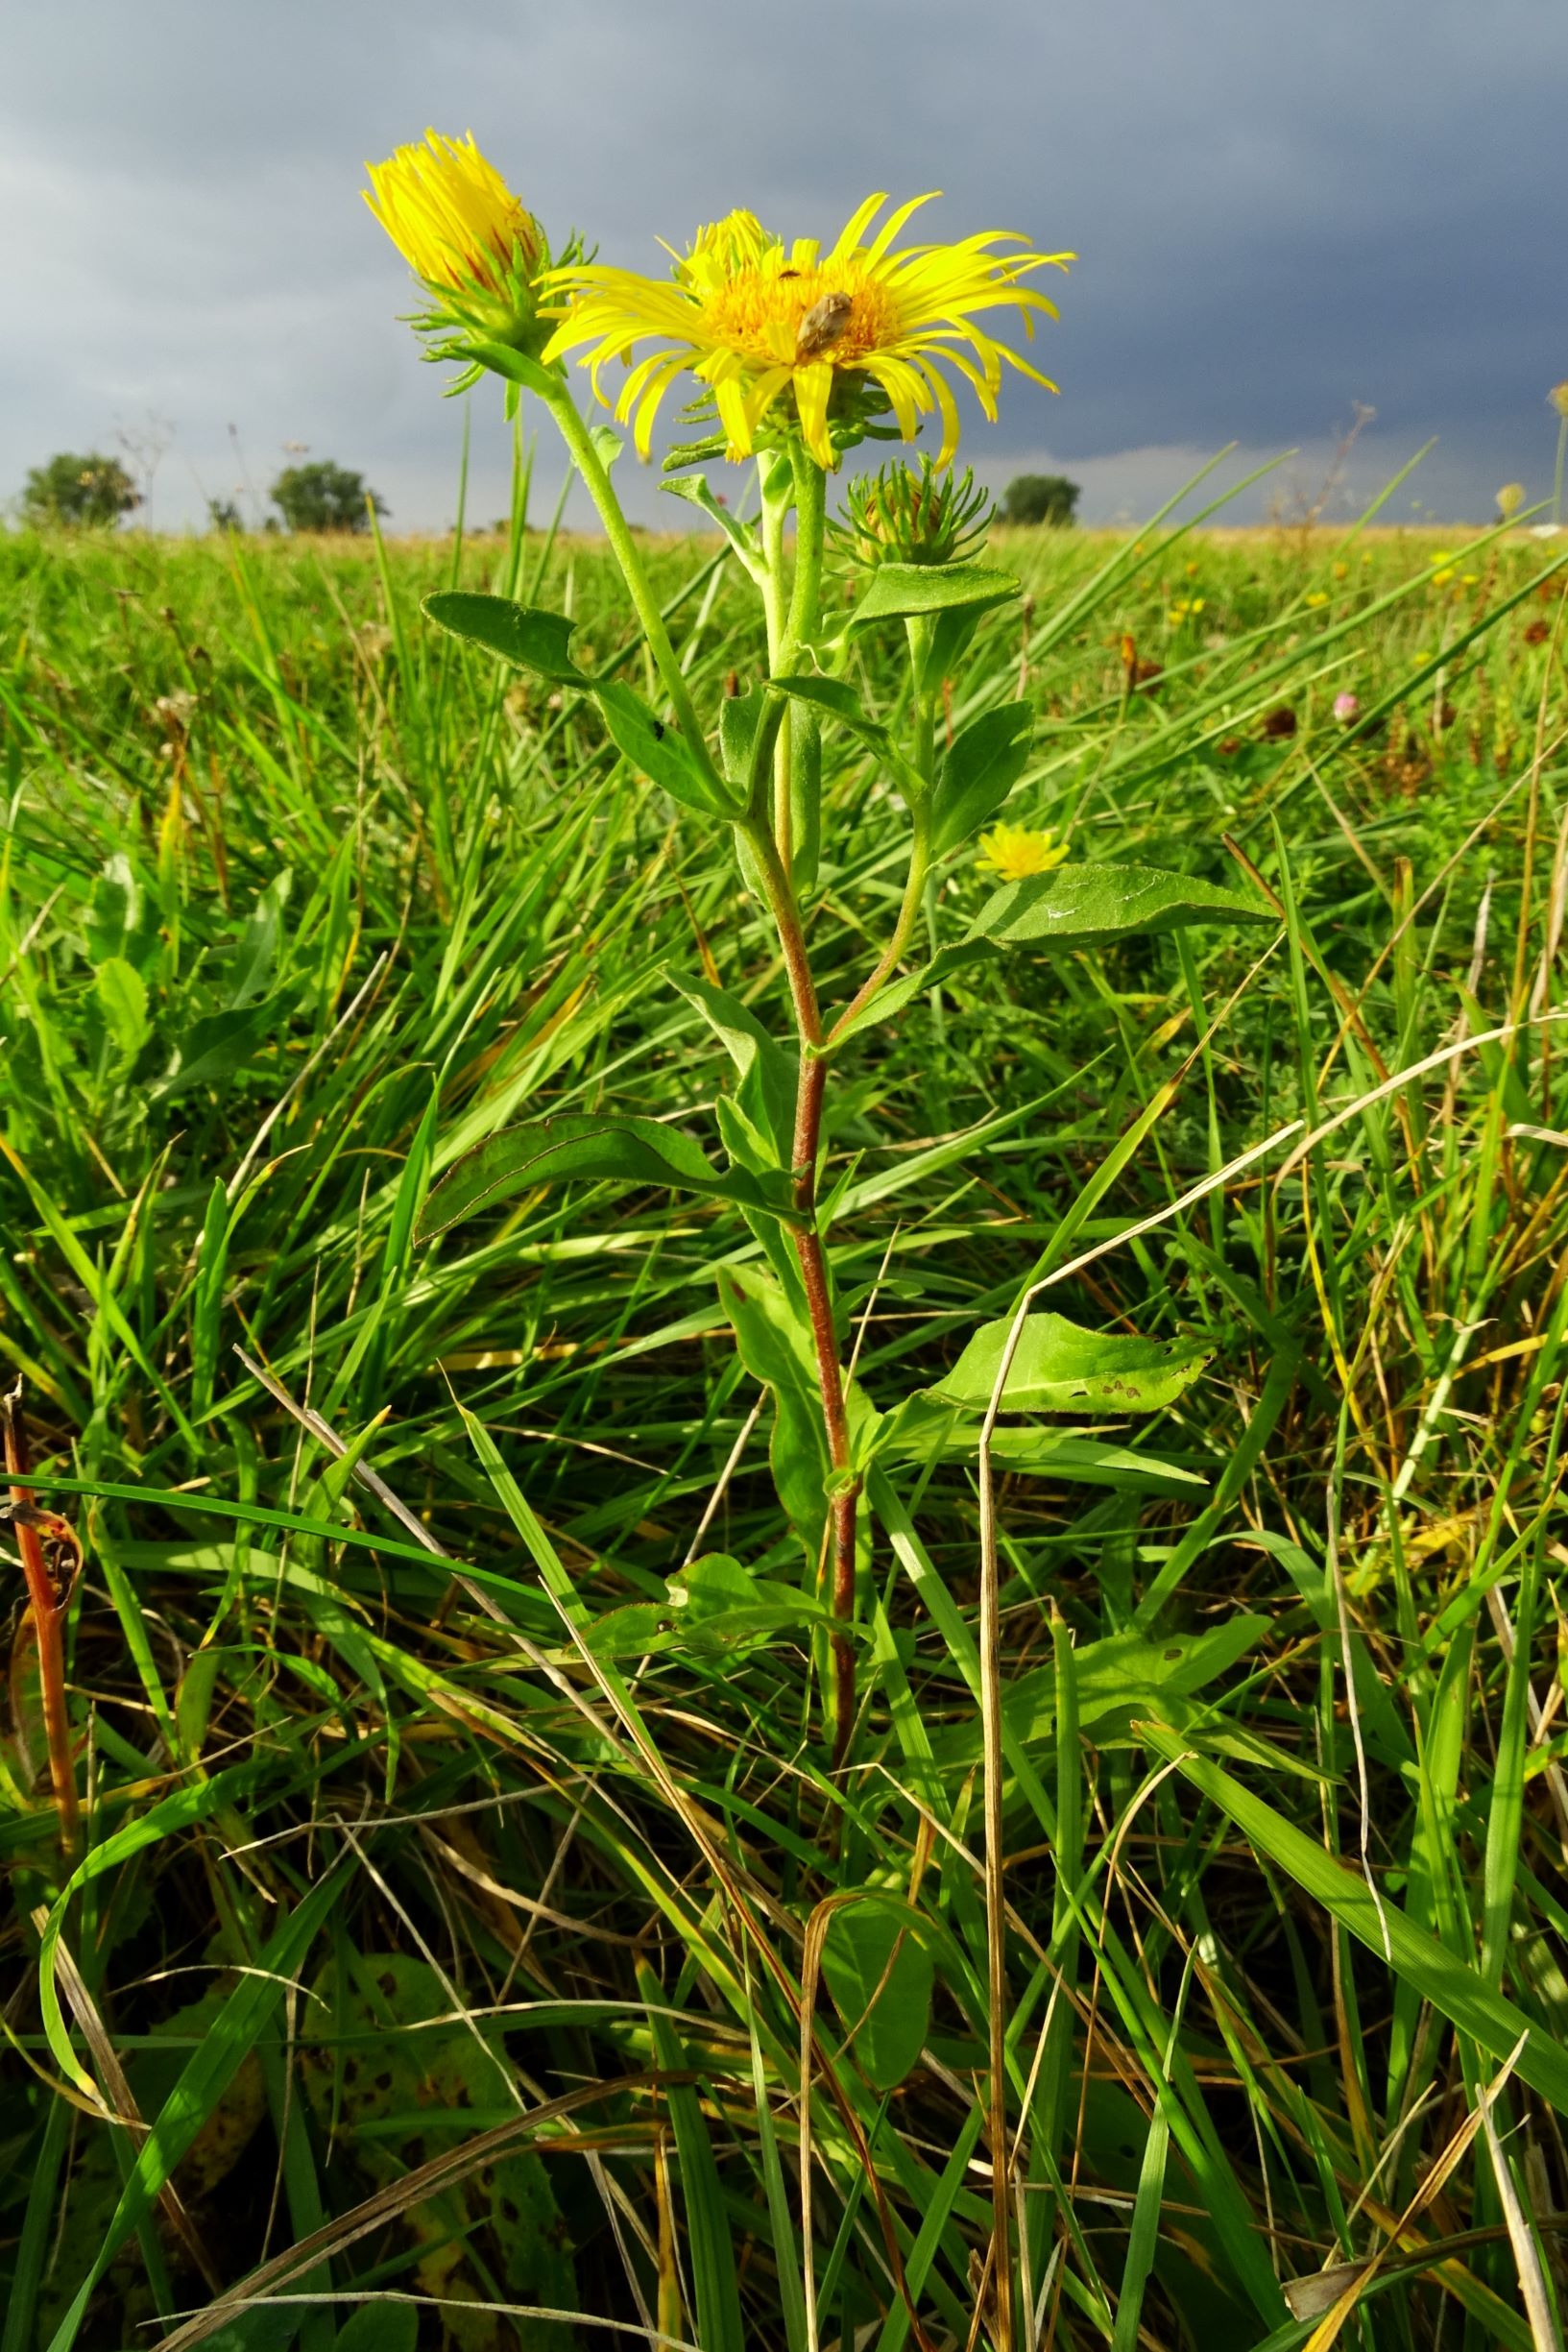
[(1281, 210)]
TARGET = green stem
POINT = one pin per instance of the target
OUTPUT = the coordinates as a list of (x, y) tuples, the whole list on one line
[(778, 492), (924, 762), (579, 442), (910, 905)]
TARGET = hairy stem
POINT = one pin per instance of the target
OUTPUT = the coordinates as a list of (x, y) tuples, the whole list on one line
[(48, 1601), (579, 441), (843, 1503)]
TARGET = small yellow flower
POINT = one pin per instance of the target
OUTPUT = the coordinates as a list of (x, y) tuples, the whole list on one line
[(1341, 571), (1440, 579), (1014, 852), (1510, 499), (1317, 595), (1558, 397), (1468, 579), (756, 319), (454, 218)]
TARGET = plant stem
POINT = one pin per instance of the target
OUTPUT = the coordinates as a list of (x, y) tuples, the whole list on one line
[(843, 1502), (48, 1605), (579, 441), (914, 889), (924, 761), (776, 487)]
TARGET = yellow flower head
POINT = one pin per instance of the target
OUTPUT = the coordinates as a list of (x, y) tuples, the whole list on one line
[(1014, 852), (1558, 397), (756, 319), (454, 218), (1510, 499)]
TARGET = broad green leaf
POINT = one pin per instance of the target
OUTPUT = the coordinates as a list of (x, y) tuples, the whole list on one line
[(776, 1348), (218, 1044), (713, 1603), (122, 996), (522, 634), (120, 918), (924, 1429), (1115, 1679), (1084, 905), (386, 2069), (739, 715), (765, 1098), (987, 761), (577, 1144), (257, 952), (774, 1337), (881, 1977), (656, 747), (899, 592), (1455, 1989), (1059, 1368)]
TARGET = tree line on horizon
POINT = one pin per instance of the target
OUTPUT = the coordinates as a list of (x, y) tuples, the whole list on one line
[(91, 492)]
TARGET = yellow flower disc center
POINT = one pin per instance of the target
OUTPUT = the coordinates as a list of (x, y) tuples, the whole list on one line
[(757, 314)]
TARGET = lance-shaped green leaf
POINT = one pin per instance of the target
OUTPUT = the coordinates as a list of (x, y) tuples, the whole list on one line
[(882, 1976), (987, 761), (517, 367), (659, 751), (576, 1144), (839, 699), (1087, 906), (765, 1097), (924, 1429), (523, 633), (1057, 1367), (695, 489), (902, 592)]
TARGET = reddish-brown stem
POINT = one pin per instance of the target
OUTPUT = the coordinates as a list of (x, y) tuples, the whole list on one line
[(813, 1265), (49, 1598)]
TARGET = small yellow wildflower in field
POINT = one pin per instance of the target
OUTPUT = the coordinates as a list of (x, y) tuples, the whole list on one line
[(1558, 397), (1317, 595), (1510, 499), (1440, 579), (756, 318), (1185, 608), (452, 216), (1014, 852)]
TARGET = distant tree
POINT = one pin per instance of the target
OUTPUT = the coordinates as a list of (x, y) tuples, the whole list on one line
[(71, 491), (223, 515), (324, 497), (1040, 497)]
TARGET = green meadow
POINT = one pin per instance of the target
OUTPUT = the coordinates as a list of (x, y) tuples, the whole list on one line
[(469, 1937)]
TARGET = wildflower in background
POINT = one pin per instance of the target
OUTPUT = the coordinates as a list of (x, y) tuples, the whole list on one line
[(1510, 499), (1558, 397), (1317, 595), (473, 245), (1440, 579), (1014, 852), (760, 322), (1185, 608), (1346, 707)]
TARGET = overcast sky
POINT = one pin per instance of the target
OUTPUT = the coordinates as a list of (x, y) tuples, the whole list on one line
[(1282, 209)]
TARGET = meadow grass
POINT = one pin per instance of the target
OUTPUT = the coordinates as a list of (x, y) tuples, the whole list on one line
[(459, 1952)]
